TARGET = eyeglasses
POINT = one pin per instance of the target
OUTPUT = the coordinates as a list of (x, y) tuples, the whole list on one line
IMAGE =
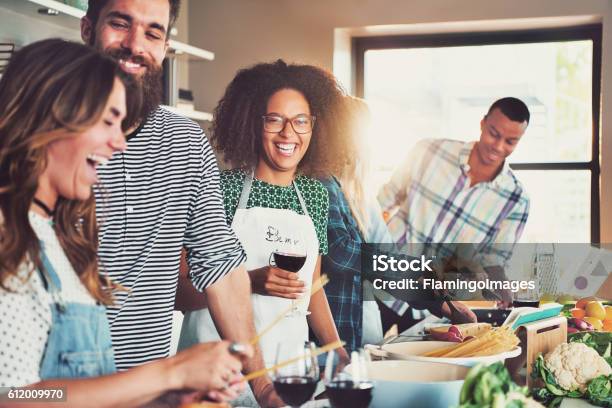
[(300, 124)]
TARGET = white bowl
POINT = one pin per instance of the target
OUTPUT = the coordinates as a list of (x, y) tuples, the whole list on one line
[(400, 384), (414, 350)]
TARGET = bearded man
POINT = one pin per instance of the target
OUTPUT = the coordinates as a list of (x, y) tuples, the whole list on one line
[(160, 196)]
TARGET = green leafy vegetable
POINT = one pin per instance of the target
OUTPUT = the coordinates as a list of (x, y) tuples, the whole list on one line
[(512, 404), (599, 391), (567, 310), (546, 397), (488, 387)]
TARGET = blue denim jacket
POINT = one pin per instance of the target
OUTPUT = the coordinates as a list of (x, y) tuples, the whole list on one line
[(79, 342)]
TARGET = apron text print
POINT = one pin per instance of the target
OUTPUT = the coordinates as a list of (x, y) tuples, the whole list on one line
[(273, 235)]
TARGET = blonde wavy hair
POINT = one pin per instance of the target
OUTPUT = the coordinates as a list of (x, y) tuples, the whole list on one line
[(354, 177)]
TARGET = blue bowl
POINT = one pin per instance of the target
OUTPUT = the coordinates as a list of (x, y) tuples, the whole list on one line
[(400, 384)]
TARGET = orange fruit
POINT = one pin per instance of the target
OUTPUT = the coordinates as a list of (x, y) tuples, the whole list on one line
[(595, 309), (608, 312), (578, 313), (581, 304), (607, 325), (597, 323)]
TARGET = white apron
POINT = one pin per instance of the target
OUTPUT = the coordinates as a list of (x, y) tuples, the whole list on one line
[(262, 231)]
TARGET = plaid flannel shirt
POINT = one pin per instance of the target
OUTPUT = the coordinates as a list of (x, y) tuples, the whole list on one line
[(343, 266), (436, 207)]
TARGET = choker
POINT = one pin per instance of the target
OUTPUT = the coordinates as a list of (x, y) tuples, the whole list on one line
[(50, 213)]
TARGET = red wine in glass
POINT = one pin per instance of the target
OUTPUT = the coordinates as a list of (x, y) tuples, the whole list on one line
[(295, 390), (295, 381), (526, 303), (289, 262), (349, 394)]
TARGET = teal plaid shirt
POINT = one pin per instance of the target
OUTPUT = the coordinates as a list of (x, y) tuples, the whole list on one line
[(343, 266)]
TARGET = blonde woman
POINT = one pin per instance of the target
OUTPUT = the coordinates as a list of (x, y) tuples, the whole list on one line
[(354, 219), (62, 108)]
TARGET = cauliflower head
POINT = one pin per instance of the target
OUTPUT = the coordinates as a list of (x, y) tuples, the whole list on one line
[(575, 364)]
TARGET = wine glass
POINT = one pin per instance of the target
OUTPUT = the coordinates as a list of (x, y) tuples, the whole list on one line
[(526, 297), (290, 258), (295, 383), (348, 387)]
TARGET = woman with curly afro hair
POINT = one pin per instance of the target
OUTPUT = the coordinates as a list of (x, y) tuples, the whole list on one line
[(279, 126)]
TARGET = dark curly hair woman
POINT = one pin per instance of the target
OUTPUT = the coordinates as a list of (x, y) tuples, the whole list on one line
[(279, 126), (237, 130)]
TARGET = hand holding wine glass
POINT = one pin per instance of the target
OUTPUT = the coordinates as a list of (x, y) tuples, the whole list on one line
[(273, 281), (291, 258)]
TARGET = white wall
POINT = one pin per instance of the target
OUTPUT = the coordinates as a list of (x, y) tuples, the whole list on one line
[(22, 29), (244, 32)]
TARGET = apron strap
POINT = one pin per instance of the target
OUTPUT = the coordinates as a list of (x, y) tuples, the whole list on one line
[(302, 202), (246, 191)]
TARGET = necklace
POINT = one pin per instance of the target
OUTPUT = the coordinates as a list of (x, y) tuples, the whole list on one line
[(50, 213)]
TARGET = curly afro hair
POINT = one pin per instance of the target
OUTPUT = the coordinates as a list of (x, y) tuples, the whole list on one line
[(237, 127)]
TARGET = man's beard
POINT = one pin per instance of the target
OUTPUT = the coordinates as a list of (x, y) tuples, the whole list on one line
[(143, 93)]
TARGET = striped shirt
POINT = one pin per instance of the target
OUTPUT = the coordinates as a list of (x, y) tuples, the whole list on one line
[(437, 207), (159, 196)]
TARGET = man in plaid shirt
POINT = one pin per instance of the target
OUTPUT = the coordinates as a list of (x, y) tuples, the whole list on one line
[(452, 192)]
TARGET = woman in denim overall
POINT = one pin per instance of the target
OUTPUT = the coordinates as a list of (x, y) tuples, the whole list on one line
[(79, 342), (62, 108)]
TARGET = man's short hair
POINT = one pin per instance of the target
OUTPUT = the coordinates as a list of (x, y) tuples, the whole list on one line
[(95, 7), (513, 108)]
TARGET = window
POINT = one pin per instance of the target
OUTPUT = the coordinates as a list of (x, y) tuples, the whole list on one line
[(441, 86)]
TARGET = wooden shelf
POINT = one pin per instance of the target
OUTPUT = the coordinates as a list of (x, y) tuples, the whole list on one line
[(30, 8), (191, 114)]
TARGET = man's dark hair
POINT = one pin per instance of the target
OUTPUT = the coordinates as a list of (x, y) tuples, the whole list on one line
[(95, 7), (513, 108)]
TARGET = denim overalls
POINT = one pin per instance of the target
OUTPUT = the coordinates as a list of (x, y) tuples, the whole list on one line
[(79, 343)]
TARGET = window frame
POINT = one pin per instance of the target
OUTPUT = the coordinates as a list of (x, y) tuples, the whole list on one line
[(591, 32)]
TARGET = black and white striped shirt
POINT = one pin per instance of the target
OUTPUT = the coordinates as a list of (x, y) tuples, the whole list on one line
[(159, 196)]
